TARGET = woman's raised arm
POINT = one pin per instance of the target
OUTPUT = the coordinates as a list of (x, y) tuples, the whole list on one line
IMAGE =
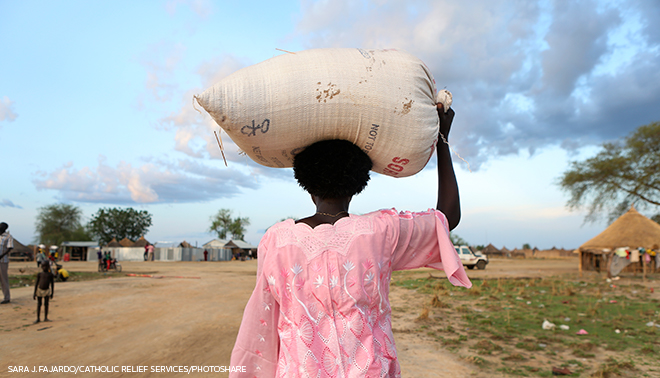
[(448, 198)]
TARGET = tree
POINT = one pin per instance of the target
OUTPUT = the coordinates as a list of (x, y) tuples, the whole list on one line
[(237, 228), (457, 240), (526, 246), (222, 223), (119, 223), (622, 174), (60, 222)]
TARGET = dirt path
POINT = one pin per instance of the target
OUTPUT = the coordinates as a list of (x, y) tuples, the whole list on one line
[(137, 321)]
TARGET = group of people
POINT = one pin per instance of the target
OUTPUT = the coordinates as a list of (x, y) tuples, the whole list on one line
[(149, 252), (105, 259), (43, 256), (321, 300), (44, 287)]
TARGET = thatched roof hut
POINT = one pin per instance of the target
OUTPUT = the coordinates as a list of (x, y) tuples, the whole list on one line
[(141, 242), (113, 243), (632, 230), (185, 244), (491, 251), (126, 242), (20, 252)]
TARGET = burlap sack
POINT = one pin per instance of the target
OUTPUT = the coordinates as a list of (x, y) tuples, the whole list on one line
[(381, 100)]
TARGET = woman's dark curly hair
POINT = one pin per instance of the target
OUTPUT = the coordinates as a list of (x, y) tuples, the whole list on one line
[(332, 169)]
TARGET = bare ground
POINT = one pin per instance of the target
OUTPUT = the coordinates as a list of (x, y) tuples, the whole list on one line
[(190, 321)]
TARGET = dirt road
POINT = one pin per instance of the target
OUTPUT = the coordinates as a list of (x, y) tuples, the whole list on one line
[(139, 321)]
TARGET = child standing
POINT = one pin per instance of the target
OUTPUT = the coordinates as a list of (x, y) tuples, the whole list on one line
[(44, 288)]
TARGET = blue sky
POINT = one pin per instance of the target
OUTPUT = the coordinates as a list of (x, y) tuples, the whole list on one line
[(96, 105)]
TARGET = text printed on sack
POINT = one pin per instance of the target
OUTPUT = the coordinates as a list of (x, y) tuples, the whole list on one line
[(373, 134)]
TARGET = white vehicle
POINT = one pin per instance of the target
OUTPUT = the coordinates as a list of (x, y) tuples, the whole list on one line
[(471, 258)]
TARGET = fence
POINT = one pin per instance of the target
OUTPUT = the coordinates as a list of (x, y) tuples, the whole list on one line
[(164, 254)]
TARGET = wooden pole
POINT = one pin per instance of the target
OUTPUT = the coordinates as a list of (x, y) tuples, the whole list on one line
[(581, 263), (643, 257)]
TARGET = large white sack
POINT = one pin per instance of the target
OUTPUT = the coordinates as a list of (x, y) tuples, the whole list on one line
[(381, 100)]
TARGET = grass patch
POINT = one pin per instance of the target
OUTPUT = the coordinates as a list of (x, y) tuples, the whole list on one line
[(614, 368), (22, 280), (500, 321)]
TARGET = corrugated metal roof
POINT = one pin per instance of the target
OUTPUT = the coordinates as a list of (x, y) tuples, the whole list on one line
[(240, 244), (80, 244)]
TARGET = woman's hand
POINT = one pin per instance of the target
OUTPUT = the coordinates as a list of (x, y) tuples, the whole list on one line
[(445, 120)]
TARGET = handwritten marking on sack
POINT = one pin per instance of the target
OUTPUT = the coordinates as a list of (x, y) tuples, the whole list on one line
[(373, 134), (260, 156), (396, 166), (327, 93), (252, 130)]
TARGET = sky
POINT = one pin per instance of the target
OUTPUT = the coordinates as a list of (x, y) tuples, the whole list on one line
[(96, 106)]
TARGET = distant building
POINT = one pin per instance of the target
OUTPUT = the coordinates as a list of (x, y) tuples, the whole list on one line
[(79, 250), (632, 230)]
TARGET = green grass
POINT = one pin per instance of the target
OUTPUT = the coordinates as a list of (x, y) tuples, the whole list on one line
[(29, 279), (521, 306), (500, 320)]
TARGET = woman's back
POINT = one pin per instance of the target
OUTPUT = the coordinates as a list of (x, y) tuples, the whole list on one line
[(326, 290)]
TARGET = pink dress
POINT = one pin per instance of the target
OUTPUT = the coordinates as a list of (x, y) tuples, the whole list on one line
[(321, 306)]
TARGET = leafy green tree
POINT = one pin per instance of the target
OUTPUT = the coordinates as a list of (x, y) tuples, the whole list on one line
[(526, 246), (58, 223), (237, 227), (119, 223), (623, 173), (223, 224), (220, 223), (457, 240)]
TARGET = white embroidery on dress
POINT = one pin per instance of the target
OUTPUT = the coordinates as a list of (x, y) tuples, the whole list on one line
[(319, 281), (337, 237)]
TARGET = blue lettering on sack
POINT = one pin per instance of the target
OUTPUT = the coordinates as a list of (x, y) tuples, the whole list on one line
[(365, 53)]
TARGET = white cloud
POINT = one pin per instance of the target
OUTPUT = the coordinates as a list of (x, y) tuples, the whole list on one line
[(6, 110), (194, 128), (156, 181), (560, 57)]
